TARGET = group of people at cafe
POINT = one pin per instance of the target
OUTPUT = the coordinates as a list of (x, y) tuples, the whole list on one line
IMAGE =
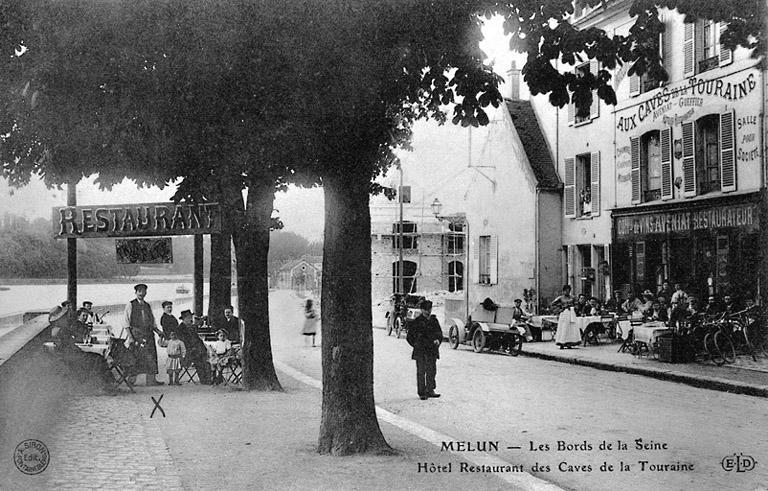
[(667, 305), (139, 329)]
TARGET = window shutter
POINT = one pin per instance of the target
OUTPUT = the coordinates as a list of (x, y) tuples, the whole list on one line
[(727, 153), (595, 188), (594, 109), (494, 261), (666, 164), (635, 150), (689, 160), (571, 113), (569, 191), (689, 49), (476, 261), (571, 268), (666, 50), (726, 55), (634, 85)]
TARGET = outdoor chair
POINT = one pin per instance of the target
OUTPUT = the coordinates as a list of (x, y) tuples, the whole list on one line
[(190, 371)]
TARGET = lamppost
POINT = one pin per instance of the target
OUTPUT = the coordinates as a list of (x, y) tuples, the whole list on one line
[(437, 207)]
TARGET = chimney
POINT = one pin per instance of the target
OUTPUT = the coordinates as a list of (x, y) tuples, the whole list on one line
[(514, 82)]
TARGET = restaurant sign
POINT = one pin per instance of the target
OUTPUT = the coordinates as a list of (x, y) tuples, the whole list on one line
[(741, 216), (136, 220)]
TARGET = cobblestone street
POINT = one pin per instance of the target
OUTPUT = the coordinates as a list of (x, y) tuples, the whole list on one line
[(109, 443)]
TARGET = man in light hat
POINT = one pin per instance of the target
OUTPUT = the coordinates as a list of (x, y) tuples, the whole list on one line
[(139, 323)]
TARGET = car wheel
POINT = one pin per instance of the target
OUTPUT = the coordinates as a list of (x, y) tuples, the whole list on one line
[(389, 325), (453, 337), (478, 340)]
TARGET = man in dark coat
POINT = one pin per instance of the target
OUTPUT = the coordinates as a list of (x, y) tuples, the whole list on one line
[(231, 324), (168, 322), (197, 353), (139, 321), (425, 335)]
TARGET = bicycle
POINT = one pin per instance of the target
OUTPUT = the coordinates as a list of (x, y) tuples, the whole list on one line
[(749, 330)]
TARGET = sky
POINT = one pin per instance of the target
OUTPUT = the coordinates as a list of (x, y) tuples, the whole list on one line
[(301, 210)]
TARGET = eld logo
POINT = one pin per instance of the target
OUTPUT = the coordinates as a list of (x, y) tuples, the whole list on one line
[(738, 463)]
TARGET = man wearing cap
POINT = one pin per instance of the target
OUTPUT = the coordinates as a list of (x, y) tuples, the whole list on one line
[(168, 322), (140, 327), (425, 335)]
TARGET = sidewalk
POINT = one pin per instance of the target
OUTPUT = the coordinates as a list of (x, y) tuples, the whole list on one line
[(743, 377), (225, 438)]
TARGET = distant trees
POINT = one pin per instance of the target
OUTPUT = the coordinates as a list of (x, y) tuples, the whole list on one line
[(286, 246), (28, 250)]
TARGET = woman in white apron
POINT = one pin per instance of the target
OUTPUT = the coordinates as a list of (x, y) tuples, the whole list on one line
[(568, 334)]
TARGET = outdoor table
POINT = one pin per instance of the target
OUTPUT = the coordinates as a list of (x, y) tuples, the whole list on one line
[(544, 322), (648, 332), (100, 349)]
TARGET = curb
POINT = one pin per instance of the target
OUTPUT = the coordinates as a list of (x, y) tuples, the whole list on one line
[(712, 383)]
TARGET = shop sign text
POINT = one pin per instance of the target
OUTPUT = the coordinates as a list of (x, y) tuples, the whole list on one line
[(744, 216), (686, 97), (135, 220)]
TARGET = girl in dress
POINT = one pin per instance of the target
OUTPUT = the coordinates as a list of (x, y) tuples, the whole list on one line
[(310, 322), (568, 334), (220, 356), (176, 352)]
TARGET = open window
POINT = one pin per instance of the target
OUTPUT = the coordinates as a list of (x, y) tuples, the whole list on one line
[(709, 154), (594, 110), (409, 277), (454, 239), (652, 166), (582, 185), (702, 50)]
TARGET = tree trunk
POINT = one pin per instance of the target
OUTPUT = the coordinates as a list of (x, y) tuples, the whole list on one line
[(221, 257), (349, 423), (251, 249)]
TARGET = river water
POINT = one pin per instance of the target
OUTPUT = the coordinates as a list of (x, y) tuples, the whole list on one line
[(24, 298)]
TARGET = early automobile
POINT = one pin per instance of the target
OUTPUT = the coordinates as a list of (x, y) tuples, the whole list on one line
[(488, 327), (403, 309)]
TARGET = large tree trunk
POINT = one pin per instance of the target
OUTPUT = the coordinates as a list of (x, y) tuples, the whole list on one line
[(349, 423), (251, 249), (221, 256)]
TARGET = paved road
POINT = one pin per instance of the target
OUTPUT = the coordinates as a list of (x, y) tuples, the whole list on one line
[(537, 404)]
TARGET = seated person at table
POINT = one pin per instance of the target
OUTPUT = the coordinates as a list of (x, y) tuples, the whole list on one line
[(197, 353), (220, 356), (712, 310), (646, 307), (592, 307), (632, 304), (167, 321), (613, 304), (659, 313), (581, 304), (89, 368), (231, 324)]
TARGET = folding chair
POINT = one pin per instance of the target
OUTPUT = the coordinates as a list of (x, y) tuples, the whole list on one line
[(232, 373), (191, 372), (121, 377)]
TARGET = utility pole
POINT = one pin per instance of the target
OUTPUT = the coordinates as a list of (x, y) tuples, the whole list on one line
[(400, 282), (72, 256)]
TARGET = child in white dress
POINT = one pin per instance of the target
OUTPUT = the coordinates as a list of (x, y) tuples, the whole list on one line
[(176, 352)]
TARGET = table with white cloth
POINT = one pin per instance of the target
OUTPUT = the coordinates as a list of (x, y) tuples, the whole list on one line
[(649, 332), (100, 349), (544, 322)]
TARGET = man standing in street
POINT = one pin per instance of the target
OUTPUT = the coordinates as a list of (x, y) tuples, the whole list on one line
[(425, 335), (140, 325), (231, 324)]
